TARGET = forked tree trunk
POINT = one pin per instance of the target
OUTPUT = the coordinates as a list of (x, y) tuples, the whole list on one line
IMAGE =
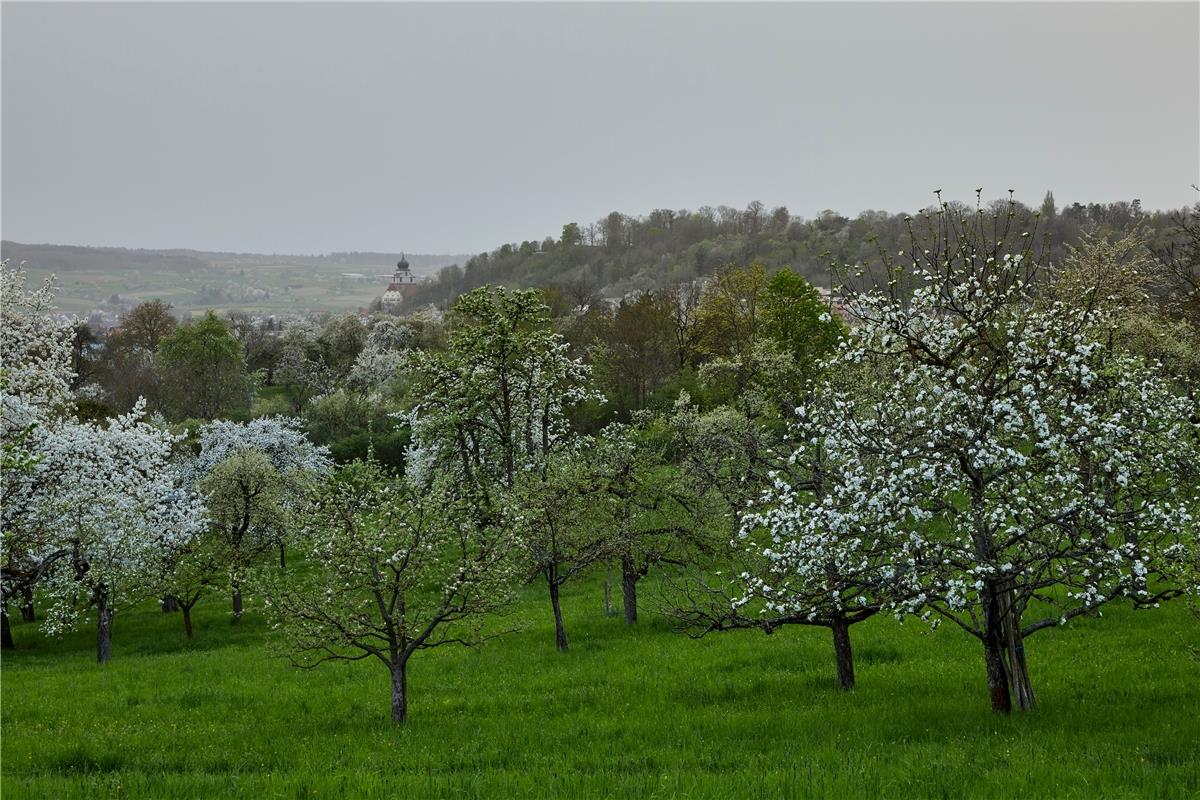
[(27, 612), (399, 692), (1019, 685), (843, 652), (104, 615), (6, 639), (629, 579), (187, 619), (560, 632)]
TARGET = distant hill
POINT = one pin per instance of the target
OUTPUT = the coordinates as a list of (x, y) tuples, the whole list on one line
[(622, 253), (618, 254)]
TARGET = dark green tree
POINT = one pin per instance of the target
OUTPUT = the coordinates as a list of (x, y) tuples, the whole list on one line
[(203, 369)]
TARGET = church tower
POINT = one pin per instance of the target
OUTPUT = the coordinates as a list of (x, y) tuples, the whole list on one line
[(402, 287)]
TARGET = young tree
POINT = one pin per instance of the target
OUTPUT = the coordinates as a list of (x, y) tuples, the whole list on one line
[(399, 568), (1042, 471), (557, 527), (300, 368), (644, 508), (250, 472), (249, 517)]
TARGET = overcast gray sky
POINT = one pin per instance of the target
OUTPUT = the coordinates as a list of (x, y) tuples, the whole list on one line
[(453, 128)]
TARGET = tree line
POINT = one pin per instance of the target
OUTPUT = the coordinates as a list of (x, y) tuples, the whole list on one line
[(623, 253)]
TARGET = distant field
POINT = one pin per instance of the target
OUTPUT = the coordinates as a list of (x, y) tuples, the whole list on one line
[(268, 289), (629, 712)]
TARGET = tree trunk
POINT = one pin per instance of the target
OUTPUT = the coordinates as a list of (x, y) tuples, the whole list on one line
[(993, 656), (993, 650), (104, 617), (560, 633), (1014, 650), (608, 606), (6, 640), (187, 620), (169, 605), (27, 612), (845, 656), (282, 556), (629, 579), (237, 602), (400, 692)]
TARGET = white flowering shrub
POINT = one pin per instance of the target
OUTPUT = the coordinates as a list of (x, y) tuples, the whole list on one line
[(281, 439)]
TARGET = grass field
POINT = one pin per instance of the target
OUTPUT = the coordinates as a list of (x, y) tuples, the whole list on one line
[(284, 287), (629, 712)]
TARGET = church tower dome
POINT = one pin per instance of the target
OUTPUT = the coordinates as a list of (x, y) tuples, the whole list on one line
[(403, 284)]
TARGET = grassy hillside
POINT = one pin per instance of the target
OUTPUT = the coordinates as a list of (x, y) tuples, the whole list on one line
[(629, 712)]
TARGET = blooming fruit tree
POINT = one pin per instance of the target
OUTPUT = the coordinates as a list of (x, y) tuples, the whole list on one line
[(1041, 473), (397, 568), (103, 507), (491, 414), (252, 474)]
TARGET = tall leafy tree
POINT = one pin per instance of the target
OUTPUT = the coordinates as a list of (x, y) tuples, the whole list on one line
[(203, 368), (492, 410)]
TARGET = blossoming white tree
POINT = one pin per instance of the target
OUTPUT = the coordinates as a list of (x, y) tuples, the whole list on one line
[(397, 567), (252, 473), (89, 511), (818, 534), (105, 508), (35, 350), (1040, 470)]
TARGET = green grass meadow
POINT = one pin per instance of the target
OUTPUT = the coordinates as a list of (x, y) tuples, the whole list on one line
[(629, 712)]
